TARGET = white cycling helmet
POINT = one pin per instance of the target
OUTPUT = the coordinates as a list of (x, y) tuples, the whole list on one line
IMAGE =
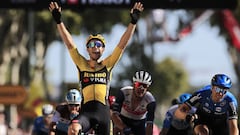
[(47, 109), (142, 77), (73, 97)]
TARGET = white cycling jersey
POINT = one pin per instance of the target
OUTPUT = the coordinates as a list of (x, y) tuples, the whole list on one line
[(141, 110)]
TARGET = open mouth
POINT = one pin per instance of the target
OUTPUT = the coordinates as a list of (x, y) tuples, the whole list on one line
[(140, 93)]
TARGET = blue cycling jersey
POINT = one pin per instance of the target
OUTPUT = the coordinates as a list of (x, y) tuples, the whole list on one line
[(225, 109), (39, 127), (171, 120)]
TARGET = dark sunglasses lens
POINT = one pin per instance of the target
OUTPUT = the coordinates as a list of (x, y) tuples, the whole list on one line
[(73, 105), (219, 90), (98, 43)]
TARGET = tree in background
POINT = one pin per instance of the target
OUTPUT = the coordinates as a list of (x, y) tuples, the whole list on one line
[(171, 80)]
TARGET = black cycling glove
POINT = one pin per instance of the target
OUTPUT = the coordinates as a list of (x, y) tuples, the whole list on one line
[(135, 16), (56, 16), (127, 131), (189, 118)]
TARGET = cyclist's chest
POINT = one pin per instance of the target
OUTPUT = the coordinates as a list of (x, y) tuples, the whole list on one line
[(136, 106), (94, 77), (208, 106)]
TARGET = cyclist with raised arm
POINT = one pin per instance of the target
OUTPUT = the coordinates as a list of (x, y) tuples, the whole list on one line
[(65, 114), (95, 75), (41, 124), (216, 108), (172, 125), (134, 108)]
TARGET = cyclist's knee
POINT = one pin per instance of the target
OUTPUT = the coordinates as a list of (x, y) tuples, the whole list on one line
[(201, 130)]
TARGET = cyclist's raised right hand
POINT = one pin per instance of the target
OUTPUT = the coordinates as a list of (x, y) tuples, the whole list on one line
[(55, 9)]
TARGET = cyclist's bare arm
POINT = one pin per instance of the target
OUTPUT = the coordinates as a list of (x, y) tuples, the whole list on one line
[(233, 127), (65, 35), (163, 131), (117, 121), (126, 36), (149, 129), (130, 29), (52, 128)]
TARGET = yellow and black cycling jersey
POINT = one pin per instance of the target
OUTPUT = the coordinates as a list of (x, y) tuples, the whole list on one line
[(94, 82)]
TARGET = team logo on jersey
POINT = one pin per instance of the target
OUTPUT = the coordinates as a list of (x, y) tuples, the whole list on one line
[(92, 78), (195, 98), (168, 116), (223, 103), (206, 110), (218, 109), (206, 104), (233, 107), (95, 77), (85, 80)]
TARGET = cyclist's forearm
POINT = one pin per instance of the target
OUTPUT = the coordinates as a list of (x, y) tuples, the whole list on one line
[(127, 36), (233, 127), (118, 122), (52, 128), (66, 36), (149, 129)]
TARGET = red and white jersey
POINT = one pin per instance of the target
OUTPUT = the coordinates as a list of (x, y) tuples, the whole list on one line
[(141, 110)]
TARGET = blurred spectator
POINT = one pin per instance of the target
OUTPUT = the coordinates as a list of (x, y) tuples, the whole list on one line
[(42, 123), (3, 126)]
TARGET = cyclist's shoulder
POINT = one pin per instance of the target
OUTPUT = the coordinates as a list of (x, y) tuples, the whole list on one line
[(148, 93), (38, 120), (62, 106), (126, 88), (149, 96), (173, 108), (204, 90), (230, 97)]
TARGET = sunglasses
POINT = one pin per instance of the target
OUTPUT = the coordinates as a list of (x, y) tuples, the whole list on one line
[(220, 90), (73, 105), (47, 116), (96, 43), (184, 109), (140, 85)]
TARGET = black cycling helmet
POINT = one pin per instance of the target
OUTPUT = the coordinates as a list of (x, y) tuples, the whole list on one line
[(221, 80)]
